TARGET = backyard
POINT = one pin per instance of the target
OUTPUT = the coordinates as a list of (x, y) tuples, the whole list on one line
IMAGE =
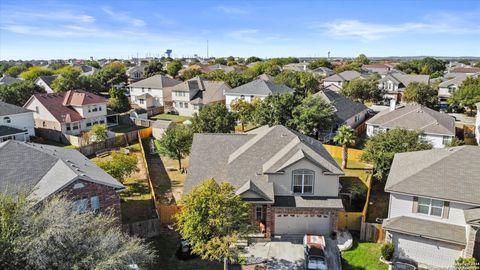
[(172, 117), (125, 128), (363, 256)]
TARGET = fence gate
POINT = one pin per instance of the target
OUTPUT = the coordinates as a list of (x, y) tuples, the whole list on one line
[(372, 232)]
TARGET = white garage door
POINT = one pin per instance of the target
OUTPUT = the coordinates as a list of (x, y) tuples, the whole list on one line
[(302, 224), (425, 251)]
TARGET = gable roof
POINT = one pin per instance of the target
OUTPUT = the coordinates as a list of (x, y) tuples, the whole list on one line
[(239, 158), (9, 109), (465, 70), (43, 170), (204, 91), (163, 124), (346, 75), (48, 80), (344, 107), (405, 79), (456, 80), (80, 98), (7, 80), (415, 117), (446, 173), (260, 87), (156, 81)]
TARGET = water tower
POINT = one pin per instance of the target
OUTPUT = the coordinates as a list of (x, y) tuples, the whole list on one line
[(168, 53)]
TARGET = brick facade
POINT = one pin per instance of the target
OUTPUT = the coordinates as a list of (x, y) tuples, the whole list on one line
[(108, 197)]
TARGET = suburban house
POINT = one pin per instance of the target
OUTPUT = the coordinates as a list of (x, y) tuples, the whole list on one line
[(464, 70), (434, 210), (323, 71), (85, 70), (135, 73), (381, 69), (46, 82), (297, 67), (154, 91), (71, 112), (7, 80), (191, 95), (259, 88), (394, 84), (435, 127), (44, 170), (341, 78), (290, 180), (477, 124), (347, 112), (16, 123), (448, 87)]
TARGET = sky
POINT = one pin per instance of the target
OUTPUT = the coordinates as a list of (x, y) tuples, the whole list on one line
[(122, 29)]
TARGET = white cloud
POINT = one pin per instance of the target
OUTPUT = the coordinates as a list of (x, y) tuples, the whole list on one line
[(233, 10), (245, 35), (60, 15), (124, 17)]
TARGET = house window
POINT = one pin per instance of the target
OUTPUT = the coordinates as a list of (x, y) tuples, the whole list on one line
[(89, 124), (242, 97), (185, 104), (37, 110), (7, 120), (303, 181), (81, 205), (78, 186), (100, 108), (143, 90), (89, 109), (259, 213), (142, 101), (102, 121), (67, 126), (75, 126), (430, 207), (149, 89), (94, 109), (446, 140), (95, 203)]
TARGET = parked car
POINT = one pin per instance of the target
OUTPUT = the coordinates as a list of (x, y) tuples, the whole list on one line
[(315, 252)]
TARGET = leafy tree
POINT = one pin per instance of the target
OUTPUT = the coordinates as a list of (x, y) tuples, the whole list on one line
[(260, 68), (19, 92), (69, 79), (428, 66), (455, 142), (153, 68), (313, 116), (4, 67), (322, 62), (230, 58), (14, 71), (57, 66), (477, 65), (466, 264), (351, 65), (245, 110), (284, 61), (117, 101), (252, 59), (235, 79), (189, 73), (55, 236), (90, 84), (175, 143), (216, 75), (111, 75), (362, 59), (214, 118), (345, 136), (420, 93), (468, 94), (173, 68), (303, 83), (276, 109), (34, 72), (220, 61), (100, 131), (363, 89), (119, 166), (464, 61), (92, 63), (381, 148), (232, 63), (212, 219)]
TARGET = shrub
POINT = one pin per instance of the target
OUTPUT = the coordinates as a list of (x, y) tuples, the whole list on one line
[(387, 251), (466, 264)]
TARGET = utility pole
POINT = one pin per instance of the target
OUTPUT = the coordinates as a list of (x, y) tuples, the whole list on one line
[(207, 48)]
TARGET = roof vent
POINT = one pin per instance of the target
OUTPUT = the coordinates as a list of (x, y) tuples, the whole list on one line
[(83, 174)]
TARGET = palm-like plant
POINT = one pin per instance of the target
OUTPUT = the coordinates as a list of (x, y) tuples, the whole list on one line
[(345, 136)]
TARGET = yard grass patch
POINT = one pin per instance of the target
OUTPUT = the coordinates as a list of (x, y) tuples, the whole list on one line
[(171, 117), (355, 168), (125, 128), (364, 256)]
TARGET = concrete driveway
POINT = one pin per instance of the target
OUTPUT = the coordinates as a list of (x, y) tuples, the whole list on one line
[(288, 253)]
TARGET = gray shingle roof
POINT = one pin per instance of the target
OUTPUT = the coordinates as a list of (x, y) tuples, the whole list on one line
[(308, 201), (7, 80), (260, 87), (427, 229), (239, 158), (472, 216), (6, 130), (344, 107), (43, 170), (163, 124), (204, 91), (415, 117), (156, 81), (405, 79), (346, 75), (456, 80), (9, 109), (47, 79), (451, 174)]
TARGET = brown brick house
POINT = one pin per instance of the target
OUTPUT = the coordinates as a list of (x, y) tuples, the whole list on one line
[(44, 170), (290, 179)]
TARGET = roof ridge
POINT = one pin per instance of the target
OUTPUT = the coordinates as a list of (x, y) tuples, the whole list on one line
[(402, 115)]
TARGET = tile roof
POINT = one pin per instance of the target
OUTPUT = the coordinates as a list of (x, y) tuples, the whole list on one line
[(260, 87), (427, 229), (238, 158), (156, 81), (448, 173), (415, 117), (8, 109), (43, 170), (344, 107)]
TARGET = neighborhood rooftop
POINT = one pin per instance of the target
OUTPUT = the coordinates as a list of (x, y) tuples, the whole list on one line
[(260, 87), (156, 81), (8, 109), (344, 107)]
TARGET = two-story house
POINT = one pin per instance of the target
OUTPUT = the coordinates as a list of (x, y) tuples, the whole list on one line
[(154, 91), (135, 73), (394, 83), (191, 95), (16, 123), (340, 79), (434, 211), (259, 88), (435, 127), (42, 171), (449, 86), (71, 112), (291, 181)]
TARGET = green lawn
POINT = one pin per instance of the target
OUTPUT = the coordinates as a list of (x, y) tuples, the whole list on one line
[(125, 128), (171, 117), (55, 143), (355, 168), (363, 256)]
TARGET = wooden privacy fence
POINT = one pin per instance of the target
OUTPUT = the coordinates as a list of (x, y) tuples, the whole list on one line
[(168, 212), (145, 133), (350, 220), (145, 228), (336, 151), (372, 232), (150, 184)]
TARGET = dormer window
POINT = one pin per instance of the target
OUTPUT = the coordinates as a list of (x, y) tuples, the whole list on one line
[(303, 181), (7, 120)]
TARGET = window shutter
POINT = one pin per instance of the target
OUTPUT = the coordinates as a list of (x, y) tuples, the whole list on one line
[(415, 205), (446, 208)]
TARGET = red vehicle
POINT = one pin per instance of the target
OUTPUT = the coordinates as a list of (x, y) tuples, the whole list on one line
[(314, 252)]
